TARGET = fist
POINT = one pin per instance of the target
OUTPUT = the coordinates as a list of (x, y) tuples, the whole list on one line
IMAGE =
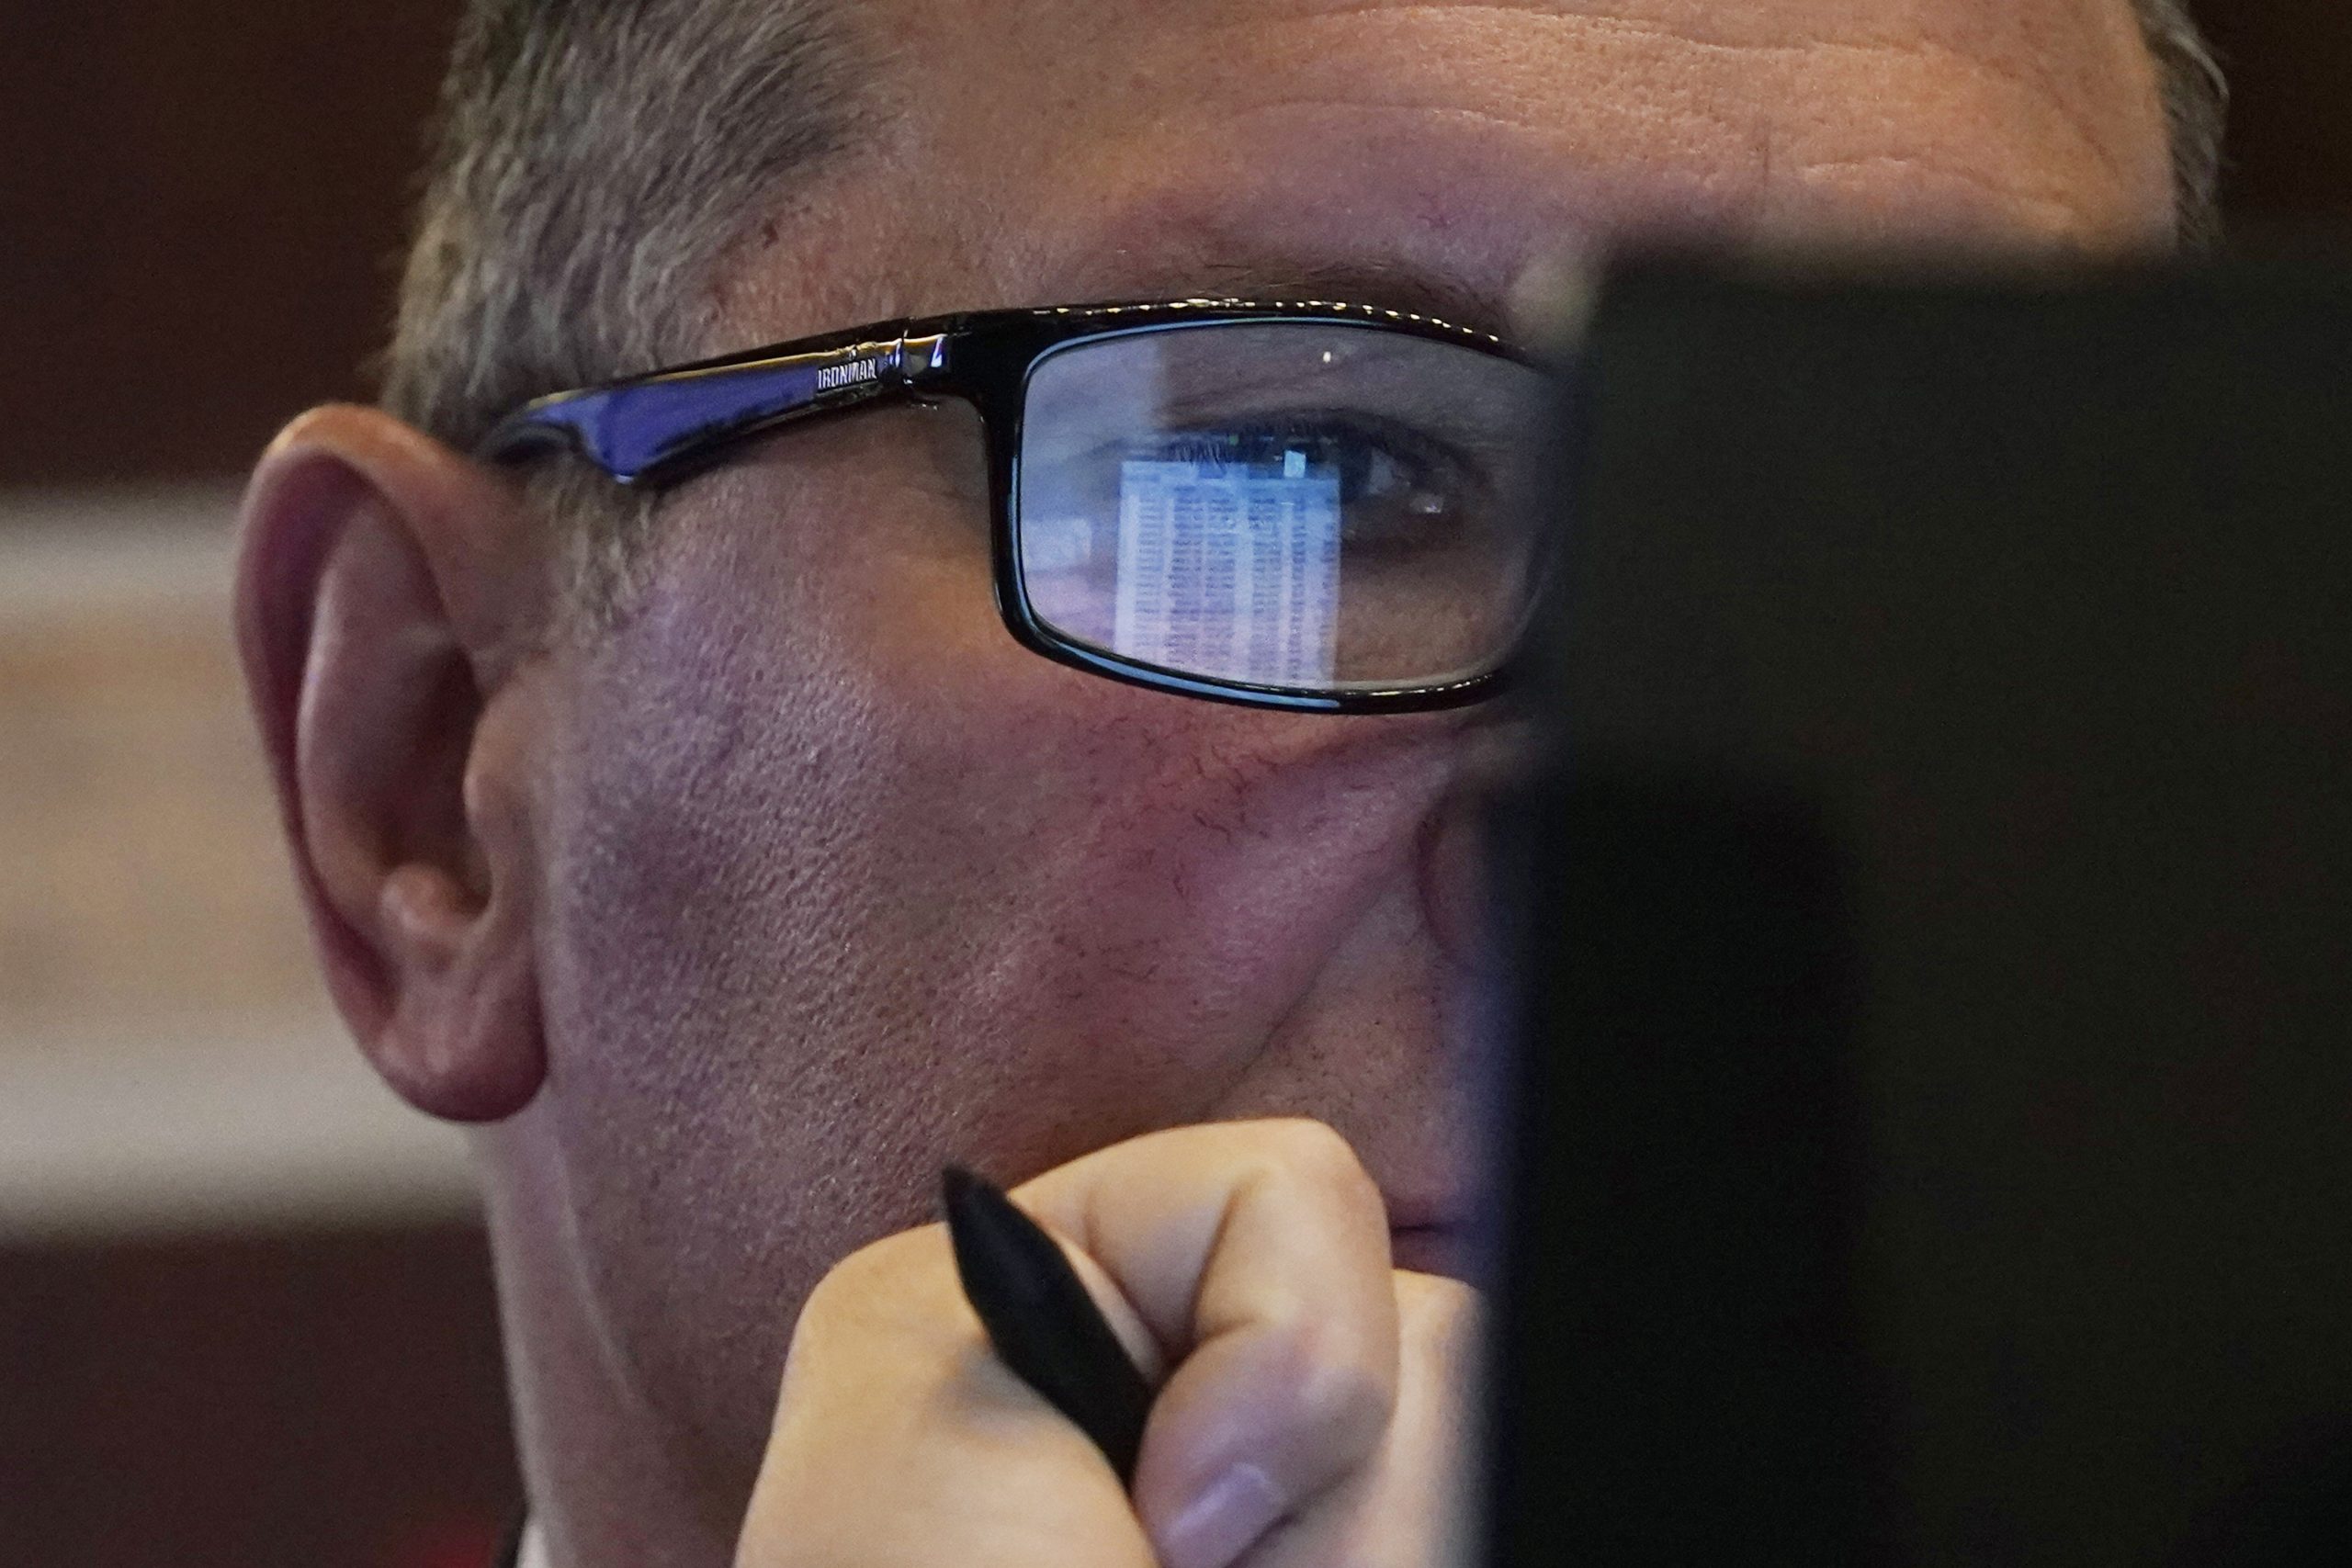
[(1313, 1404)]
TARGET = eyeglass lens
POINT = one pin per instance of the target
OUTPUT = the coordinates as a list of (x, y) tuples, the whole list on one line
[(1306, 506)]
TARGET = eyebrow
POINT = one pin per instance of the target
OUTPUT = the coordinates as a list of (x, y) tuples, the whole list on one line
[(1388, 284)]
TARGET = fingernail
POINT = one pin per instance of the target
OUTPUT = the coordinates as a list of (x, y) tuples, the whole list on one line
[(1224, 1522)]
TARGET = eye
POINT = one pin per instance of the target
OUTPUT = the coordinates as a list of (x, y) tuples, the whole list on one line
[(1400, 489)]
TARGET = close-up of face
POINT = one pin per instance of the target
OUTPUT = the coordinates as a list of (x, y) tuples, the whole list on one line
[(808, 876)]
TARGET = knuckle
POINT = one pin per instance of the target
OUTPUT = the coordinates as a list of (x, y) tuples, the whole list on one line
[(1326, 1379), (1347, 1400), (874, 1263), (1434, 1298), (1443, 1314), (877, 1273), (1312, 1152)]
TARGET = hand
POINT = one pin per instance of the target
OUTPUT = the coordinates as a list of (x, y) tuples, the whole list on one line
[(1313, 1402)]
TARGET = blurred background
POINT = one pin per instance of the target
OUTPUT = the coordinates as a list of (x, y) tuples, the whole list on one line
[(246, 1317)]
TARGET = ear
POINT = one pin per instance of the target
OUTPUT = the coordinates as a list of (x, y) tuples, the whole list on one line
[(391, 605)]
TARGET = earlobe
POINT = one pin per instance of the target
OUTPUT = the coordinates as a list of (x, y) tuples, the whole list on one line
[(382, 598)]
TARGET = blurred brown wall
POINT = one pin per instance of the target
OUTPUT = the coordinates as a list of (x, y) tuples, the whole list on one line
[(201, 202), (2291, 128), (310, 1399)]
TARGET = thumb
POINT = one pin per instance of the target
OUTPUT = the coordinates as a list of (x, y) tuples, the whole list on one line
[(1257, 1255)]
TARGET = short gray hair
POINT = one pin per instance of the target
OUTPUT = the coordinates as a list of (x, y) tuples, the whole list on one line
[(592, 162), (2197, 108), (595, 160)]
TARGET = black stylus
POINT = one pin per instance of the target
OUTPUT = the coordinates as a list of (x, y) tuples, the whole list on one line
[(1042, 1322)]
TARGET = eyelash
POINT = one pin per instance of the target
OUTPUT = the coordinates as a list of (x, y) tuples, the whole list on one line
[(1411, 450)]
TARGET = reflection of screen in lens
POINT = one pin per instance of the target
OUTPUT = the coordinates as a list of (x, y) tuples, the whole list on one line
[(1231, 569)]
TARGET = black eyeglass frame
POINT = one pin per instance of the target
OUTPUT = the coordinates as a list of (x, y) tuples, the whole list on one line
[(651, 432)]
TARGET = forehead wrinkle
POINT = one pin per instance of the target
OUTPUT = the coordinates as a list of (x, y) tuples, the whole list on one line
[(1726, 117), (1667, 84), (1424, 242), (2064, 220), (2062, 75), (2023, 70), (1738, 24)]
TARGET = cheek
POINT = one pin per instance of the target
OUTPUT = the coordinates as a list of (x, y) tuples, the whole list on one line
[(859, 812), (1168, 878)]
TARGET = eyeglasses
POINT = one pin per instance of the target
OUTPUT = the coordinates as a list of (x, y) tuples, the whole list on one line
[(1310, 506)]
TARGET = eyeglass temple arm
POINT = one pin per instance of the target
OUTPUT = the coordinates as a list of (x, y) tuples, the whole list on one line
[(657, 428)]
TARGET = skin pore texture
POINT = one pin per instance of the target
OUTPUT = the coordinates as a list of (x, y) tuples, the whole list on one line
[(735, 922)]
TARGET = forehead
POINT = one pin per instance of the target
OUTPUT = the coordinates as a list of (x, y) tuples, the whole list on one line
[(1052, 151)]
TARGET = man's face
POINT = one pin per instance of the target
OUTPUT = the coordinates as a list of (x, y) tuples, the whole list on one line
[(841, 883)]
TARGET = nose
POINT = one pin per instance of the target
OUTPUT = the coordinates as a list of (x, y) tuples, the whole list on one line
[(1454, 846)]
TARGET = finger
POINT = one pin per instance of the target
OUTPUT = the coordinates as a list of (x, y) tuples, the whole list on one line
[(1414, 1505), (901, 1440), (1257, 1253)]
